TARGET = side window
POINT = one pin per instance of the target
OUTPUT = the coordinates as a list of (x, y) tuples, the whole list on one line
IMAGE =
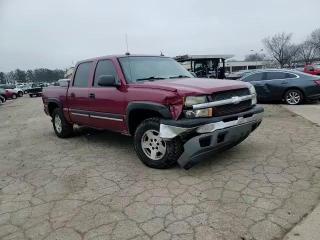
[(104, 67), (276, 75), (81, 78), (254, 77), (310, 68), (290, 75)]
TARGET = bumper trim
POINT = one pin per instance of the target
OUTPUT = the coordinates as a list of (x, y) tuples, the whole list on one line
[(168, 131)]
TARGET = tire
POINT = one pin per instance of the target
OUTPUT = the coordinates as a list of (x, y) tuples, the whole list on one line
[(31, 95), (61, 127), (14, 96), (293, 97), (171, 150), (20, 94)]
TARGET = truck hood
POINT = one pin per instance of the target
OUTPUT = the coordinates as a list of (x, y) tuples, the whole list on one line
[(192, 86)]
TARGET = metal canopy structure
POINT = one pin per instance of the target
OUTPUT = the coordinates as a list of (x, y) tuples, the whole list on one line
[(210, 66)]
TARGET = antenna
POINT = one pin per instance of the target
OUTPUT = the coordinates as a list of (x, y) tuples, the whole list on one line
[(127, 45)]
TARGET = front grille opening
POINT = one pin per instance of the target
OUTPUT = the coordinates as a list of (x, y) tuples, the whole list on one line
[(221, 137), (229, 94), (205, 141), (232, 108)]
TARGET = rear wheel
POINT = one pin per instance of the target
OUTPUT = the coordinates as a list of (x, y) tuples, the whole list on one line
[(293, 97), (152, 150), (20, 93), (61, 127)]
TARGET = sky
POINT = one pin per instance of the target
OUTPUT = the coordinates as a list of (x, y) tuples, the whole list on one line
[(58, 33)]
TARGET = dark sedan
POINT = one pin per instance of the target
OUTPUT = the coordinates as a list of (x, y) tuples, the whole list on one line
[(290, 86)]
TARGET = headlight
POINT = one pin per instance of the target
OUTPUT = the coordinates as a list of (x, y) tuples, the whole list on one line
[(207, 112), (254, 94), (192, 100)]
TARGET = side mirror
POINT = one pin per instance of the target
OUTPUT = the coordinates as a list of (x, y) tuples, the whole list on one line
[(107, 81)]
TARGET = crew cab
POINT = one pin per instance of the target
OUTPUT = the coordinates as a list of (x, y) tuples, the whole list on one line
[(172, 116)]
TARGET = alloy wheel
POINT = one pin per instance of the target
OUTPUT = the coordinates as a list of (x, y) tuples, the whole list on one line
[(293, 98), (153, 145)]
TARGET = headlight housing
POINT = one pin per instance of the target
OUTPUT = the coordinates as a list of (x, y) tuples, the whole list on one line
[(254, 94), (206, 112), (192, 100)]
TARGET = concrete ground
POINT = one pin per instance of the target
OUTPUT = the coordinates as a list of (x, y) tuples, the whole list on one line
[(93, 186), (308, 111)]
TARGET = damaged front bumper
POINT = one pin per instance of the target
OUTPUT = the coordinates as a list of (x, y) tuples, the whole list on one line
[(205, 136)]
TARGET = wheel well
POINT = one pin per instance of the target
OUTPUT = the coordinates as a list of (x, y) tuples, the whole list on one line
[(51, 107), (293, 88), (137, 116)]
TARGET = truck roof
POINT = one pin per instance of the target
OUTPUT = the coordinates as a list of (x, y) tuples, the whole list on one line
[(119, 56)]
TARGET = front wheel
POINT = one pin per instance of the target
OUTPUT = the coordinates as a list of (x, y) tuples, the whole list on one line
[(20, 94), (293, 97), (14, 96), (152, 150), (61, 127)]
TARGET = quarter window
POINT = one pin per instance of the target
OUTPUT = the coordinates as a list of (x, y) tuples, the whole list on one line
[(104, 67), (82, 75), (290, 75)]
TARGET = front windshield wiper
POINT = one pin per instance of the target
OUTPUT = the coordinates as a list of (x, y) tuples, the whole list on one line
[(180, 76), (149, 78)]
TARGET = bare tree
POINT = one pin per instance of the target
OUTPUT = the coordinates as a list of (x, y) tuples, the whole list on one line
[(315, 38), (307, 51), (281, 48)]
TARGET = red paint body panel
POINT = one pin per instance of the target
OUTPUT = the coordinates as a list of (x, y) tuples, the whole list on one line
[(316, 69), (111, 100)]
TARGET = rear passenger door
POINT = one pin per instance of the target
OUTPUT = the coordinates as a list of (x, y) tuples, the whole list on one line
[(78, 94), (276, 82), (107, 104)]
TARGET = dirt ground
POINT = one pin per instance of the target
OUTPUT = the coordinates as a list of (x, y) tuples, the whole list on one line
[(93, 186)]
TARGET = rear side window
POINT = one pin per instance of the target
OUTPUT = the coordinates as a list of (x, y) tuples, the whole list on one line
[(276, 75), (290, 75), (104, 67), (81, 78), (254, 77)]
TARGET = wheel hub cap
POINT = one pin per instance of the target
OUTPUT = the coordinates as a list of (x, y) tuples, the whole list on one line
[(57, 123), (153, 145), (293, 98)]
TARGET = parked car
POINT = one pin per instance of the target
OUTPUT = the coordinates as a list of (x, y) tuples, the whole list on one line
[(35, 91), (173, 116), (10, 94), (290, 86), (14, 88), (312, 69)]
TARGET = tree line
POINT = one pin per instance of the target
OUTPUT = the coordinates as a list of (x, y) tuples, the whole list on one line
[(286, 53), (36, 76)]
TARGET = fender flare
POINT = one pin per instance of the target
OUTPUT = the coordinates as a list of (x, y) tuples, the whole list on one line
[(163, 110)]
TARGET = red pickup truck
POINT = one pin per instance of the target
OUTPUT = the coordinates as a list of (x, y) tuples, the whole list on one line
[(172, 116)]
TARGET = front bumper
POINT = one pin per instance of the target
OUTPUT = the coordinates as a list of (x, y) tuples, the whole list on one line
[(210, 135)]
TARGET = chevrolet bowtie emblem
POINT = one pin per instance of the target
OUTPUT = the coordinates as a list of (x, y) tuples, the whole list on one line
[(235, 100)]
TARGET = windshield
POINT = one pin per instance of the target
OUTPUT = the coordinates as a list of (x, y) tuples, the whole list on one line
[(151, 68)]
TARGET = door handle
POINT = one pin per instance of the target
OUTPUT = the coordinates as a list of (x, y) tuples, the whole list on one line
[(72, 95), (92, 95)]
